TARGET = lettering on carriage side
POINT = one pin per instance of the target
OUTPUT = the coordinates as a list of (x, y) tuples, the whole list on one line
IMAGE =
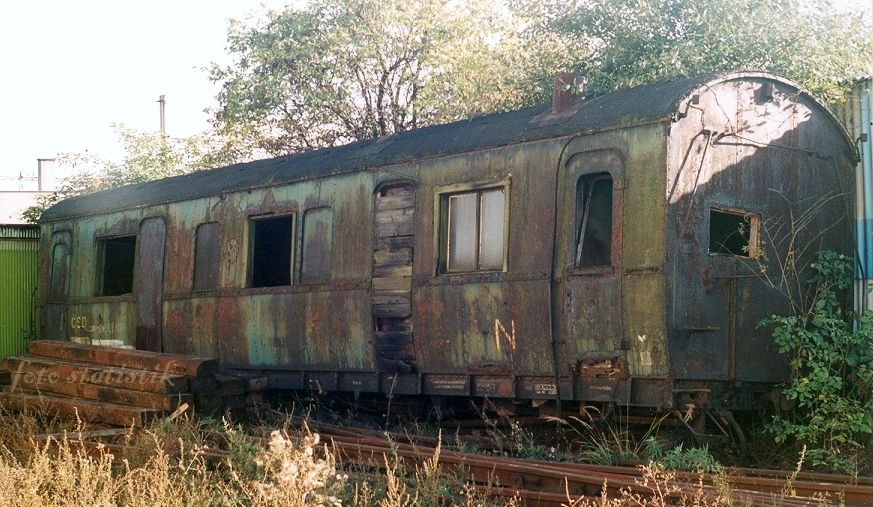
[(486, 387), (83, 330), (78, 322), (545, 389), (499, 331)]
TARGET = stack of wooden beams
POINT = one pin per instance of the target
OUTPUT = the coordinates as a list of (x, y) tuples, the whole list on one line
[(106, 385)]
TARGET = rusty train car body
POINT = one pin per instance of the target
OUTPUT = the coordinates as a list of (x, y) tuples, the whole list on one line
[(609, 251)]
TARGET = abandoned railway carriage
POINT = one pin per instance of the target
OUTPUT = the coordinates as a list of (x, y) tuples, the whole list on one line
[(602, 250)]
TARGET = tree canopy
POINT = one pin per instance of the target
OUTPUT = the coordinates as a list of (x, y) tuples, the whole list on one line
[(336, 71), (147, 156), (641, 41)]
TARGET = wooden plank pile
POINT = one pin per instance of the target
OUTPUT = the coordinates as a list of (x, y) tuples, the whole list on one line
[(114, 386)]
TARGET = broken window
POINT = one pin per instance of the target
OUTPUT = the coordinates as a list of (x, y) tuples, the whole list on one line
[(733, 233), (116, 260), (271, 240), (475, 230), (317, 240), (206, 256), (593, 238)]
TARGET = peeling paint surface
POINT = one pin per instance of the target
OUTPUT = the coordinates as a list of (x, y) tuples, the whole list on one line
[(372, 308)]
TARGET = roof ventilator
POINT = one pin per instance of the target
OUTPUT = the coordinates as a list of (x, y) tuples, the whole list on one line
[(568, 89)]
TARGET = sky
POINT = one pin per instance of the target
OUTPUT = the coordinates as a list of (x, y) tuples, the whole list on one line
[(73, 68)]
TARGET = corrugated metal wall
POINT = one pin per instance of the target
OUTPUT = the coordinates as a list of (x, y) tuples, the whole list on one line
[(18, 264), (855, 112)]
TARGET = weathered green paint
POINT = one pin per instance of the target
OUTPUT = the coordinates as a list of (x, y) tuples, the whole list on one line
[(18, 266), (659, 307)]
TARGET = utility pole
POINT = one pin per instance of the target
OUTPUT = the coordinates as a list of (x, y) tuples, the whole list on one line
[(163, 104)]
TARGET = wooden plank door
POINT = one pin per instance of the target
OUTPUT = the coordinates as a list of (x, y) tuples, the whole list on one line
[(394, 214)]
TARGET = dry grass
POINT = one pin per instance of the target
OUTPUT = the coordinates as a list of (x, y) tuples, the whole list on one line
[(207, 463)]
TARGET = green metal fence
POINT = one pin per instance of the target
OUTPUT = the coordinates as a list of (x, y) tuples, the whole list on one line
[(18, 264)]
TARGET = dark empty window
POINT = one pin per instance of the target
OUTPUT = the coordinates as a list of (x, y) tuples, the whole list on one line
[(116, 257), (271, 248), (317, 238), (732, 233), (206, 256), (593, 238), (475, 230)]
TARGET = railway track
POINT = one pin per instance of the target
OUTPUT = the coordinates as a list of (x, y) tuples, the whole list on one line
[(556, 484), (545, 483)]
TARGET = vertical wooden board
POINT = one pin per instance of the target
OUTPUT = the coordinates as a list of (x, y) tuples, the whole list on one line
[(439, 320), (178, 327), (592, 308), (204, 339), (335, 339), (527, 308), (351, 199), (232, 314), (206, 256), (260, 328), (83, 271), (294, 348), (645, 325), (530, 199), (316, 245), (234, 242), (644, 199), (149, 283), (179, 247)]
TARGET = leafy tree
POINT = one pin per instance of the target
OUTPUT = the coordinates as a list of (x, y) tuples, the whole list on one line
[(641, 41), (147, 156), (337, 71)]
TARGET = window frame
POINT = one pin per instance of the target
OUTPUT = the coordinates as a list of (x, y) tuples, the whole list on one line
[(754, 220), (579, 165), (100, 281), (58, 288), (577, 234), (250, 247), (441, 225)]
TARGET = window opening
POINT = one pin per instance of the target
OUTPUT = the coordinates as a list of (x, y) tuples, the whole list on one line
[(117, 257), (593, 221), (733, 233), (271, 250)]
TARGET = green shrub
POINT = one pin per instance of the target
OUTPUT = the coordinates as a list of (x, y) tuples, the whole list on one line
[(831, 358)]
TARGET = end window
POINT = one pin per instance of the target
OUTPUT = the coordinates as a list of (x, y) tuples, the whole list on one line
[(116, 260), (474, 231), (733, 233), (60, 265), (593, 238), (271, 250)]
